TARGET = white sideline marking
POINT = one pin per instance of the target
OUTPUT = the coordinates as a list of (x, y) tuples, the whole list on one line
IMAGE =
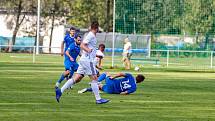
[(21, 56), (23, 103)]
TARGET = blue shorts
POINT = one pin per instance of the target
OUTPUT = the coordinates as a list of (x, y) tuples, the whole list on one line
[(71, 66), (108, 87)]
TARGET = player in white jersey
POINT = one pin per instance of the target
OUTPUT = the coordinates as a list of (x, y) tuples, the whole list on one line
[(86, 66), (99, 56)]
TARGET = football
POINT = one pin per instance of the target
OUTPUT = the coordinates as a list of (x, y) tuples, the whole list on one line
[(136, 68)]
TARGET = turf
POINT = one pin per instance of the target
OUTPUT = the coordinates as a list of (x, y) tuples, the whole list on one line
[(27, 94)]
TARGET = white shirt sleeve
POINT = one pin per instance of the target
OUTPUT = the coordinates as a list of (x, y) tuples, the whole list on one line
[(87, 38)]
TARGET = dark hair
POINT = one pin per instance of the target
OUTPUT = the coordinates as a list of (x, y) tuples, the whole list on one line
[(95, 25), (72, 28), (139, 78), (101, 45), (76, 36)]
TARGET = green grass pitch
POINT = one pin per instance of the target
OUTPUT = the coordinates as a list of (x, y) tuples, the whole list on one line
[(27, 94)]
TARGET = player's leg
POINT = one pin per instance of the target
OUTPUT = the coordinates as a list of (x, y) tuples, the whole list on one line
[(128, 60), (89, 89), (62, 77), (94, 83), (68, 84), (65, 74), (73, 68)]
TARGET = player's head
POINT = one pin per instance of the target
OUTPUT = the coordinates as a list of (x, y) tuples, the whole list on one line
[(126, 40), (95, 26), (140, 78), (102, 47), (78, 39), (72, 31)]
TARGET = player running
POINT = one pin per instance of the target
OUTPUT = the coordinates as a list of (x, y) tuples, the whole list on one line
[(116, 85), (86, 66), (68, 39), (70, 63)]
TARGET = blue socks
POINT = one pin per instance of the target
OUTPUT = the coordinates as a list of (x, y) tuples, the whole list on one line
[(89, 89), (62, 77)]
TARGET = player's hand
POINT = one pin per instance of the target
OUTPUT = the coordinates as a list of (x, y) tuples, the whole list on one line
[(111, 77), (90, 50), (124, 93), (71, 59)]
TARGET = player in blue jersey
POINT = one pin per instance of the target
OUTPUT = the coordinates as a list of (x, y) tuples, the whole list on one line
[(116, 85), (68, 39), (70, 63)]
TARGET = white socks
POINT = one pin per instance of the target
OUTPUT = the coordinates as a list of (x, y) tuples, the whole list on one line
[(68, 84), (95, 88)]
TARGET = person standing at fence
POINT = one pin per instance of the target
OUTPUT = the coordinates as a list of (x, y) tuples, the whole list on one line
[(86, 66), (127, 53)]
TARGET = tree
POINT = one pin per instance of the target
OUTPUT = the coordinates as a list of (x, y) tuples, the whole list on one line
[(19, 8), (54, 9), (199, 17)]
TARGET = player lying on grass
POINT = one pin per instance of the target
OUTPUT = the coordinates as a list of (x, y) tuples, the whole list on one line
[(70, 63), (116, 85)]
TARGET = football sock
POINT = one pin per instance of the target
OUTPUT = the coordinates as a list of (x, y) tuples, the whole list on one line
[(95, 89), (71, 74), (68, 84), (102, 77), (89, 89), (62, 77)]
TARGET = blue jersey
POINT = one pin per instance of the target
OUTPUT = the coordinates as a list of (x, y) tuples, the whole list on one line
[(74, 51), (68, 40), (127, 83)]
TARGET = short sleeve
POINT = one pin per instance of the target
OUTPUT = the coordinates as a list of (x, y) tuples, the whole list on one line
[(71, 47), (87, 38)]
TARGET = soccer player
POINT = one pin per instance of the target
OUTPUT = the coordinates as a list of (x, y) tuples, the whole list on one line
[(99, 56), (127, 53), (68, 39), (70, 63), (86, 66), (116, 85)]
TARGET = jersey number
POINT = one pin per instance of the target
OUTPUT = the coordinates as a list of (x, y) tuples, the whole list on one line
[(125, 84)]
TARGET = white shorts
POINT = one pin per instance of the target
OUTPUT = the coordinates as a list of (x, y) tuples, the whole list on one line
[(86, 68)]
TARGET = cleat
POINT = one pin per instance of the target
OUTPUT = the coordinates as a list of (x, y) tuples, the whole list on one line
[(82, 91), (102, 101), (58, 94)]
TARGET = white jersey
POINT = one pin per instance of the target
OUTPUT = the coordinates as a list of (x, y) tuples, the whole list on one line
[(99, 53), (127, 48), (90, 40)]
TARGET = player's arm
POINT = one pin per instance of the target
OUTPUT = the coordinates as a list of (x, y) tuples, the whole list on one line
[(70, 57), (100, 62), (124, 93), (67, 52), (118, 75), (62, 48), (85, 47)]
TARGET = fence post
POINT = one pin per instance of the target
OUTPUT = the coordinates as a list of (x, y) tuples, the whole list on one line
[(34, 53), (211, 59), (167, 58)]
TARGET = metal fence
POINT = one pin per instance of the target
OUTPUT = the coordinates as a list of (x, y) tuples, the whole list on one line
[(159, 58)]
